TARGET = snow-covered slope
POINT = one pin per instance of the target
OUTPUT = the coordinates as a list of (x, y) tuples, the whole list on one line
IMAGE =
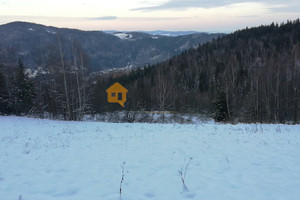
[(123, 36), (47, 160)]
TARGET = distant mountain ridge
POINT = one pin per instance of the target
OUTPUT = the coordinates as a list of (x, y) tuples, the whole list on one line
[(160, 32), (31, 43)]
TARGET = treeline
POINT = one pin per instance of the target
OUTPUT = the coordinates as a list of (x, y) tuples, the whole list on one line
[(250, 75), (58, 89)]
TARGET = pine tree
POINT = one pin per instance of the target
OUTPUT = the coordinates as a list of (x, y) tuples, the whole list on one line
[(24, 92)]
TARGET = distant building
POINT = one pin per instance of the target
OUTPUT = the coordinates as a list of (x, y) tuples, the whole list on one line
[(117, 94)]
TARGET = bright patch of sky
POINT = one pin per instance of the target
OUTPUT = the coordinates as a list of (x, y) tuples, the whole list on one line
[(198, 15)]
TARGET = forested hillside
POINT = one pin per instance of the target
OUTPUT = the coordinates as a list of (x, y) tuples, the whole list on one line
[(250, 75), (35, 44)]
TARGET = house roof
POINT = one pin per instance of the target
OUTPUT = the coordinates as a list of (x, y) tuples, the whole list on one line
[(116, 87)]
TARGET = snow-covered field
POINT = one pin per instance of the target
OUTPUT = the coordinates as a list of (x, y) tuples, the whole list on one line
[(47, 160)]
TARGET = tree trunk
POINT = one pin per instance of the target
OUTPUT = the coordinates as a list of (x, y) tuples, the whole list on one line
[(69, 111)]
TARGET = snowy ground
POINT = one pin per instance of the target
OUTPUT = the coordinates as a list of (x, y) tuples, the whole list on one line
[(47, 160)]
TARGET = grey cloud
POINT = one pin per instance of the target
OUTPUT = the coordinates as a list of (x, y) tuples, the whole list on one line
[(180, 5), (291, 8), (105, 18), (176, 4)]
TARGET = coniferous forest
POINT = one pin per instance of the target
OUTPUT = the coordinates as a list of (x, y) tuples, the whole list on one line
[(251, 75)]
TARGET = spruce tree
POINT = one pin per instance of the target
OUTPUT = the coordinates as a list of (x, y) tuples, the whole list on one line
[(4, 101), (221, 111), (24, 93)]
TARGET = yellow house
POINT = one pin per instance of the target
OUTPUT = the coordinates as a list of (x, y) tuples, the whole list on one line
[(116, 93)]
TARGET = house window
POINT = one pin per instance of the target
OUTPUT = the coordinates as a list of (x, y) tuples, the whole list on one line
[(120, 96), (113, 94)]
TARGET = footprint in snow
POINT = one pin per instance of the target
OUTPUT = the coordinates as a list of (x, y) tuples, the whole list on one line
[(149, 195), (189, 195)]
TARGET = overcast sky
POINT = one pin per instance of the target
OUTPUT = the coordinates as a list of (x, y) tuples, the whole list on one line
[(130, 15)]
